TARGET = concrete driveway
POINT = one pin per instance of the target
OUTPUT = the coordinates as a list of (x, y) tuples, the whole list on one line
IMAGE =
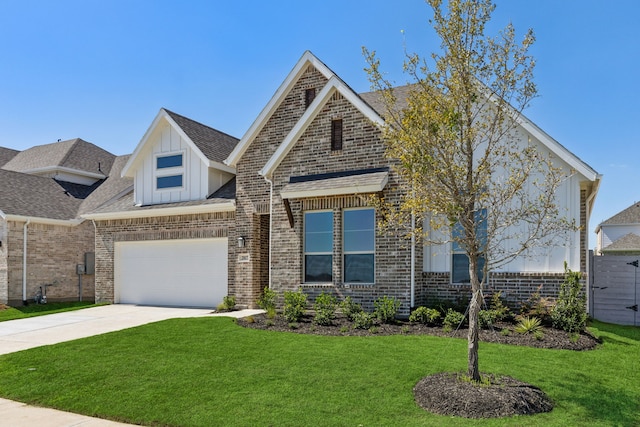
[(22, 334)]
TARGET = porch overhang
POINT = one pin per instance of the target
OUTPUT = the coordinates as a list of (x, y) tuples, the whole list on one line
[(342, 183)]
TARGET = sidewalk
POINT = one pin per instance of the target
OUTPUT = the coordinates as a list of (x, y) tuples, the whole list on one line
[(22, 334)]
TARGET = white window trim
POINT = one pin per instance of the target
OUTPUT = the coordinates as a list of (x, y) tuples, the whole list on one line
[(373, 252), (304, 245), (170, 171)]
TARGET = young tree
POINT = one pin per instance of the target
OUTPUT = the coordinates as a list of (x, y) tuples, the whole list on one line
[(471, 178)]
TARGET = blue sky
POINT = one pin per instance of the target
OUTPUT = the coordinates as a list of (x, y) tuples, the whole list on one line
[(100, 70)]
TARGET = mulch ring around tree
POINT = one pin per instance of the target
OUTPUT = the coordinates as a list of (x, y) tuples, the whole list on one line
[(495, 397)]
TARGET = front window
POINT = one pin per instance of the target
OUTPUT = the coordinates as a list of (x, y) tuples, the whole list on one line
[(459, 258), (172, 161), (169, 171), (318, 246), (359, 245), (170, 181)]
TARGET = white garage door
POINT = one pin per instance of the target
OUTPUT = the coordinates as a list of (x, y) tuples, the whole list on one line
[(184, 273)]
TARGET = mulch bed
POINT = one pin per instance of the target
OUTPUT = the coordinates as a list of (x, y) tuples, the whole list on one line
[(452, 393), (552, 338)]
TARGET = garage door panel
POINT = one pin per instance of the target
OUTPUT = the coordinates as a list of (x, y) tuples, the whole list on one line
[(175, 272)]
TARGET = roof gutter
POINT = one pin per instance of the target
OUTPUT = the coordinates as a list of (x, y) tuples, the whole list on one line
[(46, 221), (154, 212)]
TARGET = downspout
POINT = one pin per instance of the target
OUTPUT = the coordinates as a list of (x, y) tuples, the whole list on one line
[(413, 261), (270, 222), (413, 252), (24, 262)]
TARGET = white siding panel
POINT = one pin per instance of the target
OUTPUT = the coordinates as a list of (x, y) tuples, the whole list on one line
[(544, 260), (165, 140)]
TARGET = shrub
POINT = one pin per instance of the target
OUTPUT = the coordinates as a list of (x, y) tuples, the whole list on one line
[(487, 318), (350, 308), (267, 300), (500, 310), (538, 306), (325, 307), (362, 320), (386, 309), (295, 304), (425, 315), (529, 325), (570, 311), (230, 302), (453, 319)]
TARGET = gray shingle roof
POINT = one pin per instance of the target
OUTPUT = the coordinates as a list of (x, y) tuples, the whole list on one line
[(110, 188), (628, 242), (630, 215), (6, 154), (374, 99), (126, 204), (227, 191), (35, 196), (214, 144), (74, 154)]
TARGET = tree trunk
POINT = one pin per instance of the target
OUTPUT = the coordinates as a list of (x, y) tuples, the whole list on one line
[(473, 369)]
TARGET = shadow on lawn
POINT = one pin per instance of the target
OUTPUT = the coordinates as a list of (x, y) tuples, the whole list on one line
[(611, 331), (604, 404)]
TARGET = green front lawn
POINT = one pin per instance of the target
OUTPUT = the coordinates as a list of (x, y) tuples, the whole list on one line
[(31, 310), (211, 372)]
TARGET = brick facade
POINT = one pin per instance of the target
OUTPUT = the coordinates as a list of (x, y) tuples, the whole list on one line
[(53, 251), (253, 191), (196, 226), (514, 287), (362, 149)]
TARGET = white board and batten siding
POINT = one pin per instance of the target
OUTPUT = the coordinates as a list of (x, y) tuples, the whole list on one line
[(437, 258), (165, 140), (184, 273)]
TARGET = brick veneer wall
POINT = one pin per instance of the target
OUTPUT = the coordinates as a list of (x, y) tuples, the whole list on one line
[(514, 287), (253, 191), (4, 287), (197, 226), (53, 251), (362, 149)]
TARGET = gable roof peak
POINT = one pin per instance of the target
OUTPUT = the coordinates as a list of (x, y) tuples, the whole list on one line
[(210, 145), (294, 75)]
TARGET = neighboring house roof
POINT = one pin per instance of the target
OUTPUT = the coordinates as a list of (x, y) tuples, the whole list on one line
[(34, 196), (628, 242), (6, 154), (74, 154), (211, 145), (110, 189), (629, 216), (45, 199)]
